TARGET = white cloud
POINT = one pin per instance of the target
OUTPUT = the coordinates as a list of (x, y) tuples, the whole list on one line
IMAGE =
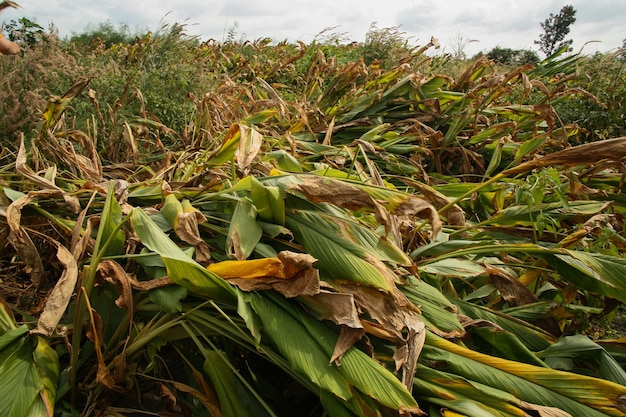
[(506, 23)]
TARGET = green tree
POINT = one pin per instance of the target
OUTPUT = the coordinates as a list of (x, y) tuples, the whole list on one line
[(508, 56), (107, 32), (555, 30), (25, 32)]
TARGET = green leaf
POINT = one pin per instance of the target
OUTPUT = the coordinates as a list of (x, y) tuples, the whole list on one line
[(454, 268), (268, 201), (284, 160), (587, 353), (527, 215), (181, 268), (231, 394), (171, 209), (111, 217), (321, 236), (533, 337), (304, 352), (168, 298), (577, 394), (603, 274), (29, 374)]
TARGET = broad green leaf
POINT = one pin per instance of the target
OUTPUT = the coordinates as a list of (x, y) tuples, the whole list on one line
[(494, 162), (527, 215), (10, 336), (438, 312), (580, 349), (284, 160), (602, 274), (226, 152), (576, 394), (533, 337), (261, 116), (111, 217), (372, 379), (29, 374), (530, 146), (231, 394), (454, 268), (321, 237), (359, 369), (171, 209), (181, 268), (168, 298), (269, 202), (470, 398), (303, 351), (503, 344)]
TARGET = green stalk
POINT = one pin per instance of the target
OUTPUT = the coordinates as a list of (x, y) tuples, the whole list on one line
[(89, 278)]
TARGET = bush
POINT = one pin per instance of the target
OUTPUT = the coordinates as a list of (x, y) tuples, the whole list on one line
[(508, 56)]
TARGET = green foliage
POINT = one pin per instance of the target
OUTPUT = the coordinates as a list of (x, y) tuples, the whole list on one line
[(25, 32), (388, 46), (105, 33), (268, 228), (556, 28), (508, 56), (599, 107)]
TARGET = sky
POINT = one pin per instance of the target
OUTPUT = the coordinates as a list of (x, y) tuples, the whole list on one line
[(479, 25)]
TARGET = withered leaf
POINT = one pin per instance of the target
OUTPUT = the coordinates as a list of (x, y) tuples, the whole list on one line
[(45, 184), (20, 240), (61, 294), (291, 274), (585, 154), (114, 274)]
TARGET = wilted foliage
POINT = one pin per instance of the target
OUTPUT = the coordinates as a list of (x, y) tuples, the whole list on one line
[(234, 229)]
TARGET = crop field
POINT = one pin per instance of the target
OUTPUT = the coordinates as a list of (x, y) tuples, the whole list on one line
[(248, 228)]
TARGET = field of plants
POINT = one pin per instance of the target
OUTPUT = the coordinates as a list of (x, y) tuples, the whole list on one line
[(243, 228)]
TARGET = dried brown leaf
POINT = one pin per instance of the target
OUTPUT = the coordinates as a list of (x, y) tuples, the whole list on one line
[(41, 182), (398, 318), (512, 290), (544, 411), (423, 209), (340, 308), (114, 274), (291, 274), (348, 336), (249, 147), (61, 294), (323, 189), (585, 154), (20, 240), (455, 214)]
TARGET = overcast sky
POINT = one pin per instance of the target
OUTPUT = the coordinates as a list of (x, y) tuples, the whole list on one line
[(488, 23)]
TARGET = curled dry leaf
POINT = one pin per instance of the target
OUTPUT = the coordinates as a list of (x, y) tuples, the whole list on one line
[(544, 411), (45, 184), (290, 274), (20, 240), (249, 147), (114, 274), (585, 154), (455, 214), (323, 189), (514, 292), (186, 228), (319, 189), (61, 294), (398, 320)]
